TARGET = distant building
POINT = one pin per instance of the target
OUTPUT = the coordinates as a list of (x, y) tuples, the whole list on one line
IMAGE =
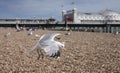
[(106, 16), (51, 20)]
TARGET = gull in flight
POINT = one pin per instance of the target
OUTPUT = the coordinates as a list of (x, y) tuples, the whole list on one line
[(48, 45), (8, 34)]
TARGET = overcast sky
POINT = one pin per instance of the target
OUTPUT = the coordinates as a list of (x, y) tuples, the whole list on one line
[(48, 8)]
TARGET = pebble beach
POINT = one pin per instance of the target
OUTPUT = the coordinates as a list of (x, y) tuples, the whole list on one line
[(84, 52)]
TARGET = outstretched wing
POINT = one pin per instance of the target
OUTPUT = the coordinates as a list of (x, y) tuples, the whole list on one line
[(52, 48), (47, 37)]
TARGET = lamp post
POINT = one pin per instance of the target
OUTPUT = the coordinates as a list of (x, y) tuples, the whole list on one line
[(66, 25)]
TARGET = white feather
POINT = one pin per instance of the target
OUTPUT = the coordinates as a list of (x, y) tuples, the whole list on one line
[(48, 44), (17, 27)]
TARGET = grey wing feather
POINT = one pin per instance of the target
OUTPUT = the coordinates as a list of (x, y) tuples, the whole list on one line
[(49, 36), (51, 49)]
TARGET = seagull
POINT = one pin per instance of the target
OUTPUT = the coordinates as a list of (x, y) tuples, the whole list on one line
[(116, 33), (17, 27), (36, 35), (30, 33), (6, 35), (67, 33), (48, 45)]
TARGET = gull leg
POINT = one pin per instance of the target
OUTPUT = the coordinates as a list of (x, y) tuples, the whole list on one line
[(42, 54), (58, 54), (38, 54)]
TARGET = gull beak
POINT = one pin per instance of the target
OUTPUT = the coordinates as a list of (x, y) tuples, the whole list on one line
[(63, 45)]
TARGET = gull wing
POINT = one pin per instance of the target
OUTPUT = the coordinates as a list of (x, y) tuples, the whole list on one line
[(17, 27), (47, 37), (51, 49)]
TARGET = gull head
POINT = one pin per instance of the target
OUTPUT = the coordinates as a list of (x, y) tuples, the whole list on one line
[(62, 45)]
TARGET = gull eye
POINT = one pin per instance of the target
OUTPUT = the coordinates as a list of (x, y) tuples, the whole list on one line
[(58, 38)]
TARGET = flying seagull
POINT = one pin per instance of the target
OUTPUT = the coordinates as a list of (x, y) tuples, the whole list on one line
[(49, 45)]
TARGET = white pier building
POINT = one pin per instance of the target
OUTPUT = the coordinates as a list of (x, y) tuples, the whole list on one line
[(103, 17)]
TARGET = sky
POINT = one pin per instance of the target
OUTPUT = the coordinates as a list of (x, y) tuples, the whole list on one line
[(47, 8)]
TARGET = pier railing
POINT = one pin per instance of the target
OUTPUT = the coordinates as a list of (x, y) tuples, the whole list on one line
[(109, 27)]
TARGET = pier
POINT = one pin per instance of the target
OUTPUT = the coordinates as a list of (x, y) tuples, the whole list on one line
[(107, 28)]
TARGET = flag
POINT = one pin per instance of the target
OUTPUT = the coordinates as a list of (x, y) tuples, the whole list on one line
[(69, 19)]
